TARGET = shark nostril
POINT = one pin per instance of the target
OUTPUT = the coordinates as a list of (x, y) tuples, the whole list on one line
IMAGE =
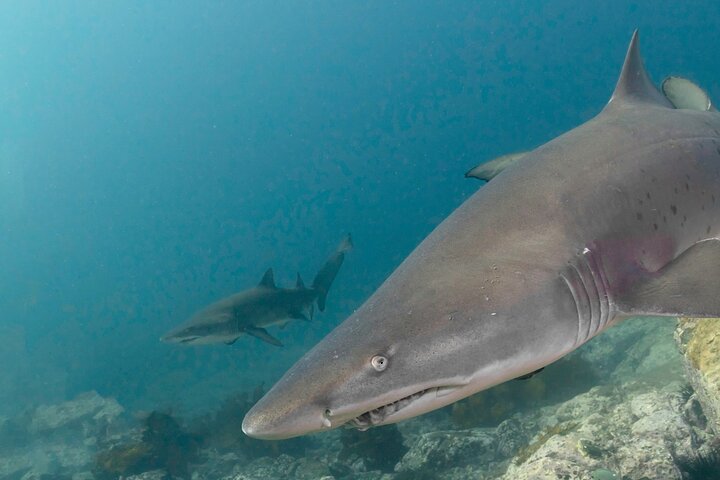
[(379, 363)]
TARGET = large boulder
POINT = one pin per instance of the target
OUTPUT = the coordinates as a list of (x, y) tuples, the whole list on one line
[(631, 433), (699, 343)]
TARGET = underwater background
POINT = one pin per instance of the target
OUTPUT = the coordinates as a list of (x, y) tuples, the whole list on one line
[(157, 156)]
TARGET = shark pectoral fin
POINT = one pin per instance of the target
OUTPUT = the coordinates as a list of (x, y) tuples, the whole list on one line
[(230, 342), (687, 286), (263, 335), (492, 168), (530, 375), (299, 316), (683, 93)]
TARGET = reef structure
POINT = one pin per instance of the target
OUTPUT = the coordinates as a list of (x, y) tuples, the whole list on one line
[(699, 343)]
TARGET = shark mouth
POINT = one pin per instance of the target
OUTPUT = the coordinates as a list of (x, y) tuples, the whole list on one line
[(378, 415)]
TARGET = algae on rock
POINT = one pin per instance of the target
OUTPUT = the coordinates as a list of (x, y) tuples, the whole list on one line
[(699, 342)]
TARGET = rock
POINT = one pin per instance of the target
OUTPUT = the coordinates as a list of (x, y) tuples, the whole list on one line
[(437, 451), (86, 408), (310, 469), (630, 434), (152, 475), (57, 441), (699, 342), (83, 476), (266, 467)]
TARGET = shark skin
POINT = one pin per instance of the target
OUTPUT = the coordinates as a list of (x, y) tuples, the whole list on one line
[(251, 311), (618, 217)]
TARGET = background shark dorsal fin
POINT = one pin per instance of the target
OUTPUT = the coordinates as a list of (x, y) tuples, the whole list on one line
[(634, 85), (299, 283), (268, 280)]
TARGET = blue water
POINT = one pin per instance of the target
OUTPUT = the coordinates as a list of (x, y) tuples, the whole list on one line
[(156, 156)]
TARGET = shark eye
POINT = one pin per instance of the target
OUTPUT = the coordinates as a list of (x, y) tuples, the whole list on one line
[(379, 363)]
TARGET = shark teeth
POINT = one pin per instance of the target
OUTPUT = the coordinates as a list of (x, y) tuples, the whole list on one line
[(378, 415)]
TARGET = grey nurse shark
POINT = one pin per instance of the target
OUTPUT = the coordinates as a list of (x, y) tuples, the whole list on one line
[(250, 311), (619, 217)]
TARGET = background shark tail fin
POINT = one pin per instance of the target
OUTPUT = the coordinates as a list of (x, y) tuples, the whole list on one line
[(324, 278)]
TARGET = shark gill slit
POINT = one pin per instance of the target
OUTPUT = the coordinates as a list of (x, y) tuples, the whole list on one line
[(602, 287), (587, 282)]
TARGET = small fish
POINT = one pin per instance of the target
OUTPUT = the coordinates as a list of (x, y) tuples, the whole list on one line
[(251, 311)]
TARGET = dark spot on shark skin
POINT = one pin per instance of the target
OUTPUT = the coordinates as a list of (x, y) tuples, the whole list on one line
[(676, 190), (655, 226), (640, 201), (687, 176), (664, 219), (718, 150), (673, 208), (702, 207), (708, 229), (687, 187), (647, 195), (639, 216), (684, 218)]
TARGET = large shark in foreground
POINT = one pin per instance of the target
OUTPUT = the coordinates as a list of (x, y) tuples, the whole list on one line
[(619, 217), (250, 311)]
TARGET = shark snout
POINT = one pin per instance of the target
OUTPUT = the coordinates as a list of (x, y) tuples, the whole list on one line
[(266, 422)]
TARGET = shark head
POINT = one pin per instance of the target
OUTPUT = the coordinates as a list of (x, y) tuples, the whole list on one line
[(361, 385), (411, 348), (202, 329)]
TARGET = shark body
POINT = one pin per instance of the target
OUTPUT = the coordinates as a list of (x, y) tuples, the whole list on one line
[(251, 311), (619, 217)]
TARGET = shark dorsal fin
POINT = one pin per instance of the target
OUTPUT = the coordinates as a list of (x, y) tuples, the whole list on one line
[(268, 280), (299, 283), (634, 85)]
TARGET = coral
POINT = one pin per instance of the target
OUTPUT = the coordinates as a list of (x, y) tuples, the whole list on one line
[(164, 445), (380, 448)]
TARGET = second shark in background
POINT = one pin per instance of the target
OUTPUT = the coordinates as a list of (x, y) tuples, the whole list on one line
[(250, 311)]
